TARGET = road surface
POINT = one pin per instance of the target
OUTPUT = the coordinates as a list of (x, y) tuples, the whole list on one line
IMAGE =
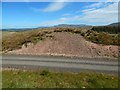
[(60, 63)]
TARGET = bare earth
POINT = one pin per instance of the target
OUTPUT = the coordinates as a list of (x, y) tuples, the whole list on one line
[(67, 44)]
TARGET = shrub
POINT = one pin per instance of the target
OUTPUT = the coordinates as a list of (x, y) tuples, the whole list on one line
[(77, 31), (45, 73), (101, 38)]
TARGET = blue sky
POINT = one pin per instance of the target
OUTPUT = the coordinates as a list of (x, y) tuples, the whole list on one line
[(36, 14)]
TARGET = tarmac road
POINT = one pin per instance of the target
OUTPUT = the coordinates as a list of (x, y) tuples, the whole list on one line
[(60, 63)]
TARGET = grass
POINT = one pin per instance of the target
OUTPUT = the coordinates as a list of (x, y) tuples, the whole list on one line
[(4, 34), (18, 39), (47, 79)]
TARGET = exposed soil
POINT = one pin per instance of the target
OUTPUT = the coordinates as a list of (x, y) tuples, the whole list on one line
[(68, 44)]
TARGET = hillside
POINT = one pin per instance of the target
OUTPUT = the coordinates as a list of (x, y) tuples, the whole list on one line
[(115, 24), (111, 28), (65, 42)]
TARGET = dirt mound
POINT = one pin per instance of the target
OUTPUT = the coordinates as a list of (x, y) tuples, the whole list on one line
[(68, 44)]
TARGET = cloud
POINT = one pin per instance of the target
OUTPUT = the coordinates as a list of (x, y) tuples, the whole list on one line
[(55, 22), (67, 14), (100, 16), (96, 5), (87, 10), (55, 6), (108, 14)]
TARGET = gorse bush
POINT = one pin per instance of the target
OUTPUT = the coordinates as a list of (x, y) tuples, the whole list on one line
[(45, 73), (102, 38), (72, 30)]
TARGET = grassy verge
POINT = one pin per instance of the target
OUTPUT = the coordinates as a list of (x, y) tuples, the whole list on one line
[(46, 79)]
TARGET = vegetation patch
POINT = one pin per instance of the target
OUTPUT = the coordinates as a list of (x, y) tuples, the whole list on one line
[(47, 79), (102, 37), (16, 40), (107, 29)]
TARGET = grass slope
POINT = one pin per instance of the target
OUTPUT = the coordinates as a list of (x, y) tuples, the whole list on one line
[(46, 79), (18, 39)]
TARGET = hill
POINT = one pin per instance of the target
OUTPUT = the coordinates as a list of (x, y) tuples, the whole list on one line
[(72, 25), (61, 41), (112, 28), (115, 24), (43, 27)]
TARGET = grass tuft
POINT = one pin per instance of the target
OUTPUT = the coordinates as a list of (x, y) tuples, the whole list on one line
[(45, 73)]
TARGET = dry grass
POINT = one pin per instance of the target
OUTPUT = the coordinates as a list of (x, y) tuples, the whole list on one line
[(16, 40)]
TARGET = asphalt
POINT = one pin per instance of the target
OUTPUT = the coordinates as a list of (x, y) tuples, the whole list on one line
[(60, 63)]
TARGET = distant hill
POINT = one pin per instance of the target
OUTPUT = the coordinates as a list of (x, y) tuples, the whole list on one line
[(56, 26), (111, 28), (72, 25), (115, 24), (21, 29)]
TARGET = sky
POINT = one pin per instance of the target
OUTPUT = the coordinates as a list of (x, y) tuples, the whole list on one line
[(37, 14)]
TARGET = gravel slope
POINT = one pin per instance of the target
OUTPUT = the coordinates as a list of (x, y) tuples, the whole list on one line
[(68, 44)]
